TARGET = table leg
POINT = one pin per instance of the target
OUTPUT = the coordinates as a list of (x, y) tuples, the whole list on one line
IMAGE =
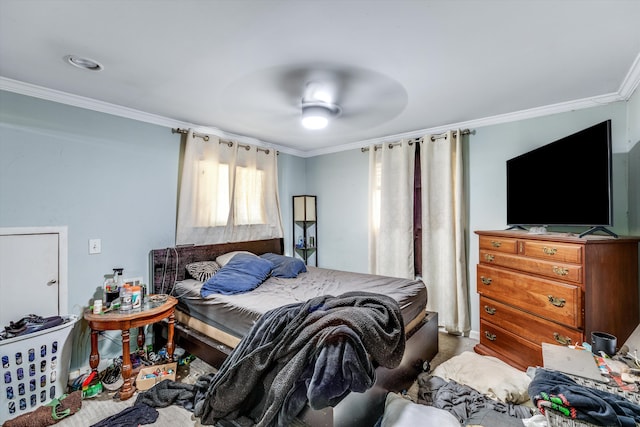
[(94, 358), (172, 321), (141, 338), (127, 390)]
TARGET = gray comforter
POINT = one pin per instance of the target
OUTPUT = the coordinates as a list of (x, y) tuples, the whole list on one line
[(314, 352), (236, 314)]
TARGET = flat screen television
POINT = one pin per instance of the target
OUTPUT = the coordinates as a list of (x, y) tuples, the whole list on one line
[(567, 182)]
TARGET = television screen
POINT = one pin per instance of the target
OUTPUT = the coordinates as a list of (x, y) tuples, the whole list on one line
[(566, 182)]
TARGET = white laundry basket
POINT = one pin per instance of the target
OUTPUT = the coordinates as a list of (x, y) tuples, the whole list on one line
[(35, 368)]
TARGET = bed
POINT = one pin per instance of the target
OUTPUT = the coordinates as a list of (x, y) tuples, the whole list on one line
[(210, 328)]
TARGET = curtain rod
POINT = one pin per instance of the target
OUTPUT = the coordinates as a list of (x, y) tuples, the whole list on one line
[(186, 131), (433, 138), (221, 141)]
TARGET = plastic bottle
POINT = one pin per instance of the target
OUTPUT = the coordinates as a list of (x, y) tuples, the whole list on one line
[(125, 298), (136, 297), (108, 288), (117, 274)]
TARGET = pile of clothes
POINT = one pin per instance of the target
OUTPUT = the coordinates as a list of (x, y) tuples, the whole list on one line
[(554, 390), (310, 353)]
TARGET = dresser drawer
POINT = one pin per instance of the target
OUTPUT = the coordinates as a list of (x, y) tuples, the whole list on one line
[(523, 352), (552, 251), (527, 326), (555, 301), (555, 270), (499, 244)]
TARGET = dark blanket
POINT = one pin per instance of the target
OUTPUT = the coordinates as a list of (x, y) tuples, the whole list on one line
[(133, 416), (169, 392), (468, 405), (550, 389), (314, 352)]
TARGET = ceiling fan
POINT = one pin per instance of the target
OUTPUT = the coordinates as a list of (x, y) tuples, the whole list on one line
[(315, 95), (318, 104)]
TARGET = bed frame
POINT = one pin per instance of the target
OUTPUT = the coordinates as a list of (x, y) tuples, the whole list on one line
[(357, 409)]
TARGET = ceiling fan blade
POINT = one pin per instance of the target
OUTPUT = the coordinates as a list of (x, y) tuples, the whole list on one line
[(273, 97)]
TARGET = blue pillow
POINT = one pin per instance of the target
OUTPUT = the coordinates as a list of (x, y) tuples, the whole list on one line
[(285, 266), (242, 273)]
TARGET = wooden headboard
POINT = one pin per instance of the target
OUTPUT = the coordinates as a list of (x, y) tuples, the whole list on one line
[(169, 265)]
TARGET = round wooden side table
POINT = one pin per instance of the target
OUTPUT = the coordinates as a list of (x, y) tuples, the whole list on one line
[(155, 309)]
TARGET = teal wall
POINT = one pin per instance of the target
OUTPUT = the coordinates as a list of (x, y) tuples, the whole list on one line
[(116, 179), (292, 181), (102, 176), (340, 181)]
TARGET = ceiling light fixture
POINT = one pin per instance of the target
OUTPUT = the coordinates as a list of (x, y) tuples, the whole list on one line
[(316, 115), (84, 63)]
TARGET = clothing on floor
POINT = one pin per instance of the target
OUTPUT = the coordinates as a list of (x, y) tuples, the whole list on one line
[(134, 416), (551, 389), (467, 404), (169, 392)]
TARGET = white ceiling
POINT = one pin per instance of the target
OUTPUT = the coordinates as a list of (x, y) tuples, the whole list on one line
[(239, 67)]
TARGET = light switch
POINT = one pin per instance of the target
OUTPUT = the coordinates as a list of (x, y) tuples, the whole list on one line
[(95, 246)]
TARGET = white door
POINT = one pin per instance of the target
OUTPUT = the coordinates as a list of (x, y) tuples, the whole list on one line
[(29, 276)]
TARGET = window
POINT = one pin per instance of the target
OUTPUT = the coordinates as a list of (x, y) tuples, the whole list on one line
[(250, 187), (212, 194), (228, 193), (213, 199)]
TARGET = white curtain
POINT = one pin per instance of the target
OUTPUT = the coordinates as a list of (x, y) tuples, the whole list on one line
[(228, 193), (391, 173), (443, 243)]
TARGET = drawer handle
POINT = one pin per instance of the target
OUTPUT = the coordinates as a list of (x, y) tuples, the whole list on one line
[(560, 271), (486, 280), (549, 251), (496, 244), (490, 336), (558, 302), (490, 310), (561, 339), (489, 257)]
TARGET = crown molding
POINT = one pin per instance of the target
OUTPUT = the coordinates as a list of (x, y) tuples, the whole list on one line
[(626, 90), (84, 102), (66, 98), (631, 80), (546, 110)]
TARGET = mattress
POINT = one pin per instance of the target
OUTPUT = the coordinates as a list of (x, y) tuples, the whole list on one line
[(227, 318)]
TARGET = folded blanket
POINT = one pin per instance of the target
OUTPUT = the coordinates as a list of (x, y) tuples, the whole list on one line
[(317, 352), (550, 389)]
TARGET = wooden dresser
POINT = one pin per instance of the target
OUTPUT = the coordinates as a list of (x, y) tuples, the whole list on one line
[(555, 288)]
